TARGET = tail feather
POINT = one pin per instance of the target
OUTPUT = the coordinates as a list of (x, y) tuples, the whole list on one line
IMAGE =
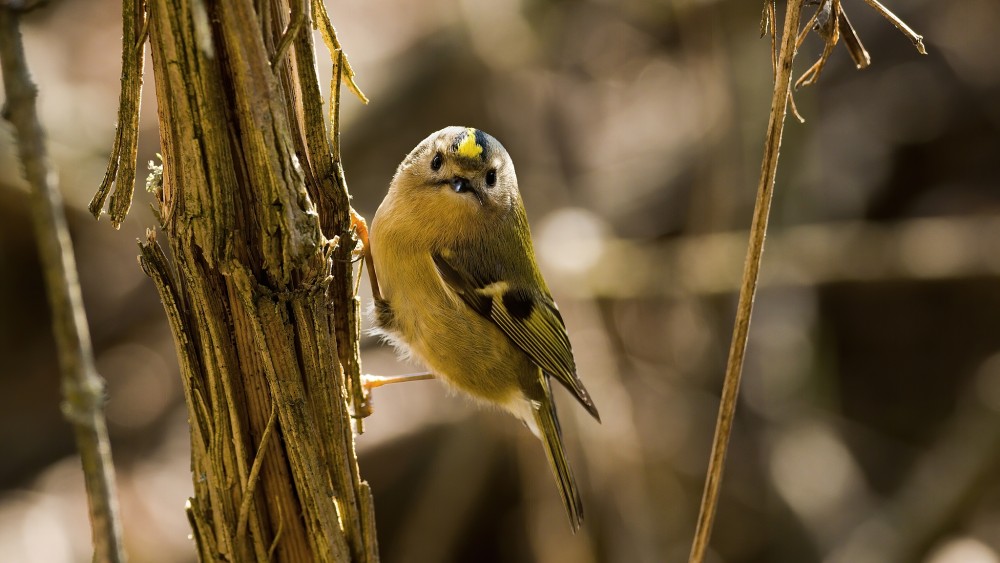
[(551, 435)]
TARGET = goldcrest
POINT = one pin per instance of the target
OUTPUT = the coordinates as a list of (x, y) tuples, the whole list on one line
[(457, 288)]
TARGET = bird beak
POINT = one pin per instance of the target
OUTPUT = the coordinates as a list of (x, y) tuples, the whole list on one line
[(464, 185), (460, 184)]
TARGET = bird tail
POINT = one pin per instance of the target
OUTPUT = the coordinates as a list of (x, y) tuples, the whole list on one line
[(551, 435)]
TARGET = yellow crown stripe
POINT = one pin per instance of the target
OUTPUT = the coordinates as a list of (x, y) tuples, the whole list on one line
[(469, 148)]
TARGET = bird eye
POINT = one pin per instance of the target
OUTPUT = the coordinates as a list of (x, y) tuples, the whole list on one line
[(491, 177), (436, 162)]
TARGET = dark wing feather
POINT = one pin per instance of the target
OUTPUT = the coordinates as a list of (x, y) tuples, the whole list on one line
[(530, 319)]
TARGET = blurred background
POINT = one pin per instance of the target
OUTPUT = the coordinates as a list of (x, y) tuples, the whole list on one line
[(869, 423)]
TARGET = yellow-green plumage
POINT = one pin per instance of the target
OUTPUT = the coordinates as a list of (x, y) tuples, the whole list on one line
[(459, 288)]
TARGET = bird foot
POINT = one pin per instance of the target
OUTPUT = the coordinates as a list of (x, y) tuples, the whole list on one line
[(369, 382), (360, 227)]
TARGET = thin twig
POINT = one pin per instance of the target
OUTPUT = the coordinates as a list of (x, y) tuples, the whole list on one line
[(326, 29), (348, 332), (299, 17), (829, 29), (751, 269), (830, 22), (335, 82), (853, 43), (258, 461), (914, 37), (122, 163), (277, 535), (82, 386)]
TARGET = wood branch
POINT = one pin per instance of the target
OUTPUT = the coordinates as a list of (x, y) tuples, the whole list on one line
[(748, 283), (258, 288), (781, 99), (122, 165), (83, 388)]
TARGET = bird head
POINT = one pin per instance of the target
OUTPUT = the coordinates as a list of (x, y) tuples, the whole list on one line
[(459, 169)]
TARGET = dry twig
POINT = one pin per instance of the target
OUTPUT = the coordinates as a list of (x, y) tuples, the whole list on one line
[(741, 328), (829, 22), (82, 386), (122, 164)]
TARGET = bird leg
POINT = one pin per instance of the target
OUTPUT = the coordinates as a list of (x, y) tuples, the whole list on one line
[(369, 382), (361, 228)]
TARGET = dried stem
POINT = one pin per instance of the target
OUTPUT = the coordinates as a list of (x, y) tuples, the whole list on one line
[(913, 36), (830, 22), (121, 165), (82, 386), (748, 287)]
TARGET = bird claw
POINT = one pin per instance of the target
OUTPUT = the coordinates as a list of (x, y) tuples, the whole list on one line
[(360, 228), (369, 382)]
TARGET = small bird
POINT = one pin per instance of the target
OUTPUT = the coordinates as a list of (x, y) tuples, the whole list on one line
[(457, 288)]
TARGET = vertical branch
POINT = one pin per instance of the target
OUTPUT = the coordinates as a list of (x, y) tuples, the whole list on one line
[(336, 197), (82, 386), (257, 219), (121, 165), (748, 286)]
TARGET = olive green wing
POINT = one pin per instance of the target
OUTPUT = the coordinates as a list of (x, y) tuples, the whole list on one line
[(527, 316)]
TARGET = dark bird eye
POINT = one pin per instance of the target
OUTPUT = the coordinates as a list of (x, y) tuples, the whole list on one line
[(436, 162), (491, 177)]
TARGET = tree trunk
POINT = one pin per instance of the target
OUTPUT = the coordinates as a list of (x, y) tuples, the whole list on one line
[(258, 290)]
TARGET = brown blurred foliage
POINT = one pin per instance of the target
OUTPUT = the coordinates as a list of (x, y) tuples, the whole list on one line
[(868, 428)]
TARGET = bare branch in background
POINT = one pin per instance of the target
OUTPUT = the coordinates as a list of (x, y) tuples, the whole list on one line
[(945, 485), (82, 387), (831, 23), (827, 22), (801, 256), (748, 287)]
